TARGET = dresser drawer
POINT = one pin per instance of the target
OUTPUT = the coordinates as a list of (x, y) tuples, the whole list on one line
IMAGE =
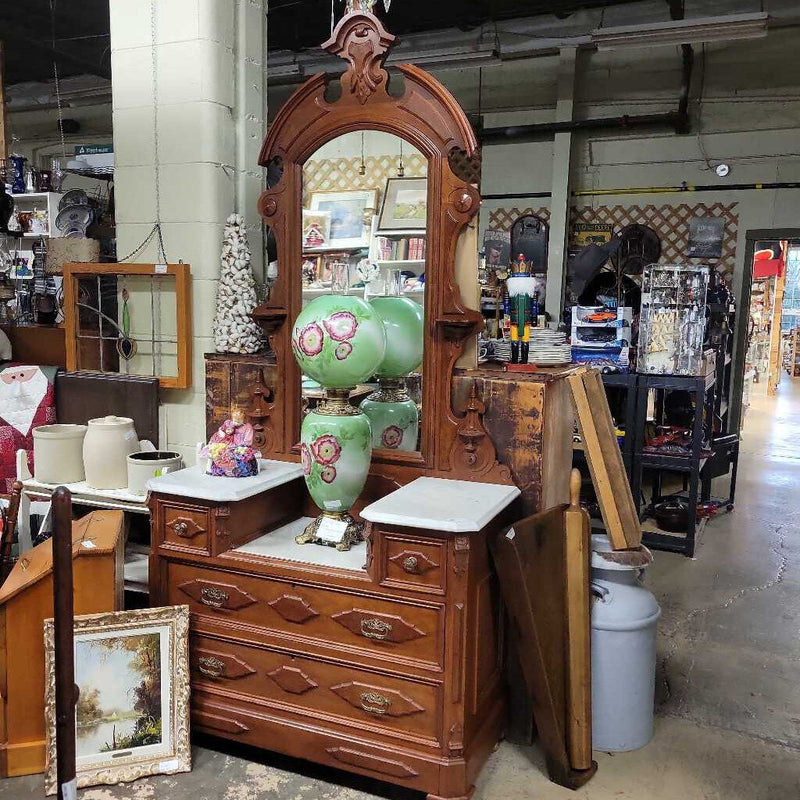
[(318, 741), (413, 564), (387, 706), (316, 616), (186, 528)]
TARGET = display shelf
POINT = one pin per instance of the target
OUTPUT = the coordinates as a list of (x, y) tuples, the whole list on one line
[(403, 232), (400, 262), (315, 251)]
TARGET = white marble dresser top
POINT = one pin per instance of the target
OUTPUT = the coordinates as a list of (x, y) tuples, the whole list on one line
[(192, 482), (439, 504)]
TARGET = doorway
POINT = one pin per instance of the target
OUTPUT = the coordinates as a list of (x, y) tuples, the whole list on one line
[(767, 329)]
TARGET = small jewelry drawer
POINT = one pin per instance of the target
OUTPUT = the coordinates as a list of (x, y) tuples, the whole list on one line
[(413, 564), (186, 528)]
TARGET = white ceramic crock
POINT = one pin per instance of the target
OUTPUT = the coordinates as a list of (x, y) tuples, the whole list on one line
[(108, 443), (58, 453), (148, 464)]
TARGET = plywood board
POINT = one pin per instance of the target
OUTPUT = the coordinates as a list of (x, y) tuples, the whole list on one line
[(605, 460)]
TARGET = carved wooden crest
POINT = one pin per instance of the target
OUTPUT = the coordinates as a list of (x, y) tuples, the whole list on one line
[(427, 116)]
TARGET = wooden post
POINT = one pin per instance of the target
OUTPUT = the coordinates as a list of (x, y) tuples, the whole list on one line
[(579, 663), (66, 691), (3, 116)]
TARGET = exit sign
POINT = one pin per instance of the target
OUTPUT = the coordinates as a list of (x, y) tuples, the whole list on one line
[(93, 149)]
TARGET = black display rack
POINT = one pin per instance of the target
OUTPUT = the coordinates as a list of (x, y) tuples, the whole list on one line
[(709, 456)]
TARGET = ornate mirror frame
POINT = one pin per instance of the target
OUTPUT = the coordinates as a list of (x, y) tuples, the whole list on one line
[(429, 117)]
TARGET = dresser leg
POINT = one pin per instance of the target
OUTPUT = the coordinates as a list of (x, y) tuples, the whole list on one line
[(460, 797)]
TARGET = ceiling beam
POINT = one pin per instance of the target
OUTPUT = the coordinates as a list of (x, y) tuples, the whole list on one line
[(19, 34)]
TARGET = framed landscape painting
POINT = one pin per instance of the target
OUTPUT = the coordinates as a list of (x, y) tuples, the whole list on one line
[(132, 714), (405, 205), (350, 215)]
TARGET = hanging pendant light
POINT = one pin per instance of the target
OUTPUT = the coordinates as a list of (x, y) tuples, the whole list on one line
[(401, 170), (362, 170)]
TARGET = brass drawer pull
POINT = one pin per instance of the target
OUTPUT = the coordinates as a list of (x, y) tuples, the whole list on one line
[(211, 667), (374, 628), (411, 564), (211, 596), (374, 703)]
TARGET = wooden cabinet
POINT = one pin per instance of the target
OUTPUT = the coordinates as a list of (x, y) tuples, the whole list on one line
[(26, 600), (385, 660)]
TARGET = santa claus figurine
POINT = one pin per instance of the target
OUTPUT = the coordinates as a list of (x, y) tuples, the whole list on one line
[(27, 400)]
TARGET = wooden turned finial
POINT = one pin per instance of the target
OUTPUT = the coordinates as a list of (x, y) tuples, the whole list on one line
[(575, 489)]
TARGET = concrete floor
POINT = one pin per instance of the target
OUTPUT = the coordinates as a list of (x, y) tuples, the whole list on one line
[(728, 721)]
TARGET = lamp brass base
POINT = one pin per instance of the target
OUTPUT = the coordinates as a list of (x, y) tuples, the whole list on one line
[(353, 534)]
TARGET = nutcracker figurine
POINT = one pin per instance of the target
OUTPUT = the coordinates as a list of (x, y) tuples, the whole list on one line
[(518, 305)]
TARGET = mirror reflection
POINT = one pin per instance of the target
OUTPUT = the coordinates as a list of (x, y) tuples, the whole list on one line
[(364, 235)]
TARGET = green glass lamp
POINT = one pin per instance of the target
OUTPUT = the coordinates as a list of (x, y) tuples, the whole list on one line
[(393, 415), (338, 341)]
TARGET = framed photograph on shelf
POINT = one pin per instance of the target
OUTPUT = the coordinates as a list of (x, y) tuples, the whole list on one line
[(405, 205), (132, 715), (350, 215)]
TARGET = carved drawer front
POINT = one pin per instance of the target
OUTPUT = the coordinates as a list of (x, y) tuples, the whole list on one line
[(358, 699), (187, 528), (321, 739), (415, 565), (313, 617)]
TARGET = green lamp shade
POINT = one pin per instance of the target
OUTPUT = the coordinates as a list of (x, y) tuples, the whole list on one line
[(395, 423), (403, 321), (335, 452), (339, 341)]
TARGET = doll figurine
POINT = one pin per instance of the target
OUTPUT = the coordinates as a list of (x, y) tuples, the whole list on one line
[(230, 450), (518, 305)]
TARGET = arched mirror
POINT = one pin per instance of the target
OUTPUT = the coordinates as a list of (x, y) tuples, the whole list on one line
[(364, 232), (363, 201)]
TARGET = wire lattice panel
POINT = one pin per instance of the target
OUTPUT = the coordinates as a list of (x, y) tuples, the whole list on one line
[(670, 222)]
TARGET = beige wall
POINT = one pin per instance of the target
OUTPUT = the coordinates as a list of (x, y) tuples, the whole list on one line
[(200, 124)]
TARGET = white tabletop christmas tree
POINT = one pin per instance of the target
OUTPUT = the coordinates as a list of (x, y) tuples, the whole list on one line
[(234, 329)]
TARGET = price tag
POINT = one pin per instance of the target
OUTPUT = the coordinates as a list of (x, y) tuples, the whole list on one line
[(160, 269), (169, 766), (511, 533), (331, 530), (87, 543), (69, 790)]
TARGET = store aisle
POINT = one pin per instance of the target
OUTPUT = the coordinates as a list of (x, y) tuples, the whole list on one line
[(728, 724)]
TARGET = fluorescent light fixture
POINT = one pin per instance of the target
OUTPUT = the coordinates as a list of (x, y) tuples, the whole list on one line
[(284, 74), (446, 59), (683, 31)]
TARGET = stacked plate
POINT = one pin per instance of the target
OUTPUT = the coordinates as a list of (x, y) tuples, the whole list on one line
[(74, 214), (548, 348)]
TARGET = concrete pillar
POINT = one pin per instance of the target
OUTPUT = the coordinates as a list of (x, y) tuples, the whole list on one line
[(560, 187), (188, 84)]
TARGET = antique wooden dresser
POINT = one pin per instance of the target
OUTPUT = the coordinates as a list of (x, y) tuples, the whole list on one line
[(385, 660)]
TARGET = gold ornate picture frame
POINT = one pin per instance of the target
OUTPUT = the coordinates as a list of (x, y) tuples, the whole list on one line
[(132, 717)]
